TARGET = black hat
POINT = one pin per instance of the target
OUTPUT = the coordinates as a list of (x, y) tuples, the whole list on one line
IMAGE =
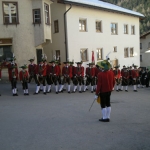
[(79, 62), (31, 59), (124, 66), (117, 66), (53, 61)]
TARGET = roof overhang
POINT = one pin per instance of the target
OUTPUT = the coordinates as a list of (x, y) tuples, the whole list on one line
[(79, 3)]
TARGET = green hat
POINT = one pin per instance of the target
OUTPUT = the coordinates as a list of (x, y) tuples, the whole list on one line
[(104, 64), (12, 67), (23, 67), (12, 59)]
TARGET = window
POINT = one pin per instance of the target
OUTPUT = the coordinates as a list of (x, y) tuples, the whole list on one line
[(99, 54), (82, 25), (115, 49), (84, 55), (56, 26), (140, 58), (132, 29), (36, 16), (113, 28), (98, 26), (126, 52), (140, 45), (58, 55), (46, 9), (131, 52), (125, 29), (10, 13)]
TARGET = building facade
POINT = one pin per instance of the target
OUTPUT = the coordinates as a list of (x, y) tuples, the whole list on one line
[(69, 30), (25, 29), (145, 46), (81, 27)]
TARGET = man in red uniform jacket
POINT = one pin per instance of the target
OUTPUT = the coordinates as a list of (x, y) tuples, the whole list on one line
[(41, 76), (54, 72), (117, 75), (24, 76), (90, 75), (78, 77), (67, 75), (13, 75), (32, 71), (105, 85), (135, 76)]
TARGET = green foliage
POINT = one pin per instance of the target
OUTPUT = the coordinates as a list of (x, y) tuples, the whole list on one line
[(142, 6)]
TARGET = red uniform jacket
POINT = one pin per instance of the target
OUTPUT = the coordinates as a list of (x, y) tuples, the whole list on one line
[(97, 71), (67, 71), (23, 75), (47, 69), (135, 73), (41, 70), (105, 82), (54, 70), (79, 71), (10, 73), (125, 74), (117, 74), (90, 72), (32, 69), (59, 70), (73, 70)]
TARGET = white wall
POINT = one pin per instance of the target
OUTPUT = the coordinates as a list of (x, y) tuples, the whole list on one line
[(105, 40)]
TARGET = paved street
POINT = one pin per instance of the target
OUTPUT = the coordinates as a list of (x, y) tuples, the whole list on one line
[(63, 121)]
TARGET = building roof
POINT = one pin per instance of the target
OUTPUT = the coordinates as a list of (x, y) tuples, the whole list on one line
[(144, 35), (104, 5)]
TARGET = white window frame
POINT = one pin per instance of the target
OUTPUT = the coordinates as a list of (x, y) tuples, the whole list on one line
[(125, 28), (132, 29), (99, 53), (10, 15), (114, 28), (98, 25), (126, 49), (132, 54), (46, 10), (82, 25), (84, 57), (115, 49)]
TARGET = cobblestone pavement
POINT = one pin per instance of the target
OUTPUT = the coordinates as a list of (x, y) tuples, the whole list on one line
[(63, 121)]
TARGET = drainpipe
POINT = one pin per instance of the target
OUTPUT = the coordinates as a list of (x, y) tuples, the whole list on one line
[(65, 28)]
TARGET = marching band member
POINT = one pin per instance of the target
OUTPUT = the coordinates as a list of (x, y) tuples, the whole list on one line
[(32, 71), (125, 78), (41, 76), (67, 75), (13, 75), (106, 82), (135, 76), (90, 75), (54, 75), (78, 78), (117, 75), (24, 76)]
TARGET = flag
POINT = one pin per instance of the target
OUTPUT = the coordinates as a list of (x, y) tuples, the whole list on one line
[(93, 60)]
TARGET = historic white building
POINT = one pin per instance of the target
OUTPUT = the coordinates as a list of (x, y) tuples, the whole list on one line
[(25, 29), (82, 26), (145, 50), (69, 30)]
